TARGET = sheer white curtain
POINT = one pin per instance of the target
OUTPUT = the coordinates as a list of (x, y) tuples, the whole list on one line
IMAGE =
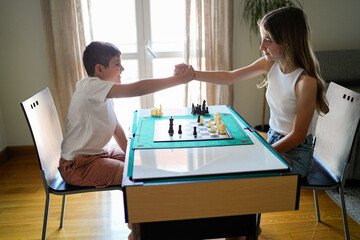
[(64, 29), (209, 34)]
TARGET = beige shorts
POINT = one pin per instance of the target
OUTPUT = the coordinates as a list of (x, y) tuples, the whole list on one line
[(92, 170)]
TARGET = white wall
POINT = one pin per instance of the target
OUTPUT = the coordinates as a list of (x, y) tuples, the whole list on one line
[(3, 142), (334, 25), (23, 65), (24, 69)]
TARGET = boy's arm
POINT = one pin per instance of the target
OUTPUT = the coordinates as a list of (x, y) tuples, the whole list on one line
[(147, 86), (257, 68), (120, 137)]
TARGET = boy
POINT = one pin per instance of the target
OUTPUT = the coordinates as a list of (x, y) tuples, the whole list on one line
[(91, 121)]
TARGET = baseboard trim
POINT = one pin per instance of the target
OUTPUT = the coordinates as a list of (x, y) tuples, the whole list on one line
[(15, 151), (3, 156)]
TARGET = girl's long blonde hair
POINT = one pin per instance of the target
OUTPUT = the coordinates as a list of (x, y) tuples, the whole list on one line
[(289, 28)]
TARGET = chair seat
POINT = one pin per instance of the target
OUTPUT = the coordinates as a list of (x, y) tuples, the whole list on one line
[(59, 187), (319, 177)]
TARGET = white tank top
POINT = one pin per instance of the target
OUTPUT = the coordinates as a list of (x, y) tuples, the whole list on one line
[(282, 100)]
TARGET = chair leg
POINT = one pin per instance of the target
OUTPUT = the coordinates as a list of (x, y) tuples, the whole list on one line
[(344, 215), (317, 209), (258, 218), (134, 232), (62, 211), (46, 214)]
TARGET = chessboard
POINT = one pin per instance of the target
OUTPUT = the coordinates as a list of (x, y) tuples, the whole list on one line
[(203, 133)]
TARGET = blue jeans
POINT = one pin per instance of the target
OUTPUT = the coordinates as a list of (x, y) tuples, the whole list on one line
[(300, 157)]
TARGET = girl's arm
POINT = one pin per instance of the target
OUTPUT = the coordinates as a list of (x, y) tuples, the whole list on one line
[(306, 94), (257, 68), (147, 86)]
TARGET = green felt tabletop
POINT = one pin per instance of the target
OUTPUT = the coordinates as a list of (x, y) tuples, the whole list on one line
[(144, 136)]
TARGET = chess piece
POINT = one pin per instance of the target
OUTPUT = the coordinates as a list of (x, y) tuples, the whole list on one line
[(155, 112), (222, 129), (179, 131), (171, 130), (171, 126), (171, 120), (195, 133), (218, 121), (198, 120), (201, 122), (198, 109), (160, 111), (203, 107), (209, 126), (193, 109), (212, 129)]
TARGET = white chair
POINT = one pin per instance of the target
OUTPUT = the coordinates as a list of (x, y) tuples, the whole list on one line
[(334, 134), (45, 128)]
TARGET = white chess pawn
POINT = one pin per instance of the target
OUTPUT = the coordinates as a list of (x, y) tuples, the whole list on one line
[(212, 129), (201, 120), (209, 126), (222, 129)]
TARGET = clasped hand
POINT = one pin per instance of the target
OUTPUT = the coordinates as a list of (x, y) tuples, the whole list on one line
[(180, 68)]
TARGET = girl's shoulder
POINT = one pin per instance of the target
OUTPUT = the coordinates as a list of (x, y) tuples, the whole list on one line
[(264, 64), (305, 83), (304, 77)]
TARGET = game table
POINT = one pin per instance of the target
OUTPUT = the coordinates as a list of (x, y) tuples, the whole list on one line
[(210, 188)]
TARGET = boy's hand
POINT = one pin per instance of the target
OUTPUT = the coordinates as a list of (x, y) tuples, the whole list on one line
[(187, 74), (180, 68)]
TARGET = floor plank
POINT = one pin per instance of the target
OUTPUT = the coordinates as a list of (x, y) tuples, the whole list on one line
[(100, 215)]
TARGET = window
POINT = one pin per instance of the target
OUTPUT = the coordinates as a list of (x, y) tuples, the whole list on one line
[(150, 35)]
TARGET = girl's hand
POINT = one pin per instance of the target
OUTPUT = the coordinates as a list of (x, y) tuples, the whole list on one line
[(180, 68), (187, 73)]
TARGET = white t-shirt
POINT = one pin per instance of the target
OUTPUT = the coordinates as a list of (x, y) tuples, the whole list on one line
[(91, 119), (282, 100)]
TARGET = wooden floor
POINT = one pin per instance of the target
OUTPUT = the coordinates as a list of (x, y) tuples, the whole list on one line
[(101, 215)]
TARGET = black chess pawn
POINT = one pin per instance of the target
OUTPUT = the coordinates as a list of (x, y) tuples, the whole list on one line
[(198, 119), (206, 111), (195, 133), (179, 131)]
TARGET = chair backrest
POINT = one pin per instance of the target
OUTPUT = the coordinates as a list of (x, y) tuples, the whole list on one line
[(335, 131), (46, 132)]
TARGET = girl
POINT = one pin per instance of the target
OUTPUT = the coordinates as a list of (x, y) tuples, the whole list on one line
[(294, 86)]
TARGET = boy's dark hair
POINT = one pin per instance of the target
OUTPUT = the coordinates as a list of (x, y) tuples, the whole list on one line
[(98, 53)]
